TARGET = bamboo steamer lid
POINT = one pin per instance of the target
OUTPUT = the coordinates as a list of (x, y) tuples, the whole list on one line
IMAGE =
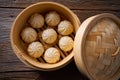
[(97, 47)]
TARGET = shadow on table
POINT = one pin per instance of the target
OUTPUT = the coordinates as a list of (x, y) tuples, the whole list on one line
[(70, 72)]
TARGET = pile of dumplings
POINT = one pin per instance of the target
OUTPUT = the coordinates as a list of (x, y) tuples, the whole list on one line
[(45, 30)]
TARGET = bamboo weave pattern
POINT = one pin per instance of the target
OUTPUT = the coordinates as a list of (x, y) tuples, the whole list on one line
[(103, 48)]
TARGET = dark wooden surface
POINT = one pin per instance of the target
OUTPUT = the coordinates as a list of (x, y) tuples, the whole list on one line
[(11, 68)]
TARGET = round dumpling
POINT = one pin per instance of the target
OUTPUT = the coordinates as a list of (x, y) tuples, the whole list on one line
[(28, 35), (52, 55), (49, 36), (66, 43), (36, 20), (52, 18), (35, 49), (65, 27)]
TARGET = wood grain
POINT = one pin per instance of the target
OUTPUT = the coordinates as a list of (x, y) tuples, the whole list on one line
[(40, 75), (72, 4), (8, 60), (19, 76), (11, 68)]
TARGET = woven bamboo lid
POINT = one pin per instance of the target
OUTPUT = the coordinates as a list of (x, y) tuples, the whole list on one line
[(97, 47)]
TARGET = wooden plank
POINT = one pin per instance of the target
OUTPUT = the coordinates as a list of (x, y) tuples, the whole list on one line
[(14, 66), (6, 19), (7, 56), (19, 76), (41, 75), (84, 14), (70, 72), (72, 4)]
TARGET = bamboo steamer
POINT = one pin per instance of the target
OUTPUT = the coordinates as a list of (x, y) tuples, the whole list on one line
[(20, 48), (97, 47)]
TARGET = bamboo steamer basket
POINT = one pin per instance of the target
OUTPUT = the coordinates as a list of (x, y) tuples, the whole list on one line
[(97, 47), (20, 48)]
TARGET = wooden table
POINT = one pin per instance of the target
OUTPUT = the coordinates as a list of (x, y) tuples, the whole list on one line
[(11, 68)]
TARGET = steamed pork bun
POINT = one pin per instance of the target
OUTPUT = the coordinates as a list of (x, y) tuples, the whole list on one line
[(66, 43), (49, 36), (35, 49), (65, 27), (52, 55), (28, 35), (36, 20), (52, 18)]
